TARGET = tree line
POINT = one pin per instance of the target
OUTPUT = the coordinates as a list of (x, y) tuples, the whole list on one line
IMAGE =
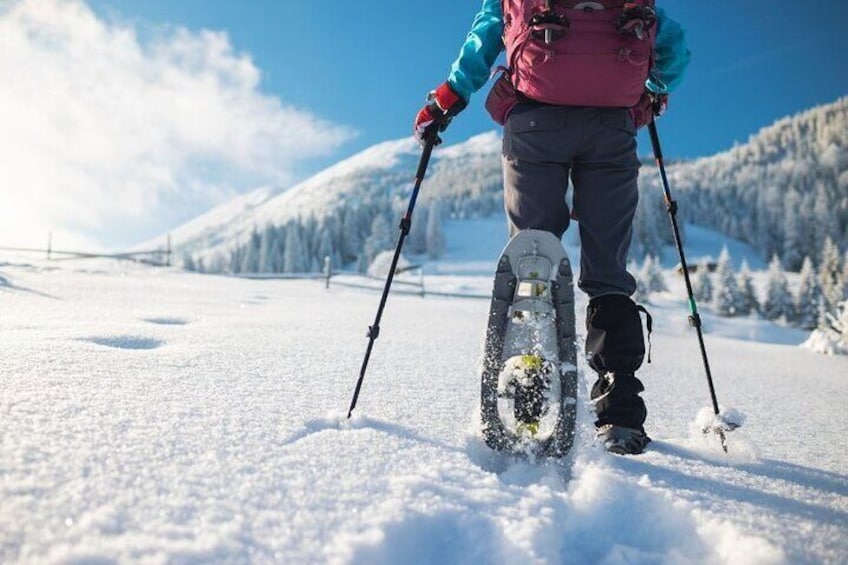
[(815, 301)]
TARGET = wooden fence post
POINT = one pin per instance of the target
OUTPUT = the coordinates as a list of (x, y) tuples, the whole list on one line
[(328, 271)]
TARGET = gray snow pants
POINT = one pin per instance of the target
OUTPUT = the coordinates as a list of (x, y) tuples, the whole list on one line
[(543, 146)]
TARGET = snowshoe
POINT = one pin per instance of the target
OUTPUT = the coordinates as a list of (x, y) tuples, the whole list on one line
[(529, 381)]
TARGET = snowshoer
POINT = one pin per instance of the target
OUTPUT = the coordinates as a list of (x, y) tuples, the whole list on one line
[(581, 78)]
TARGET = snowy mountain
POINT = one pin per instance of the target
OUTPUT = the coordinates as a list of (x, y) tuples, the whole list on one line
[(784, 192), (378, 177)]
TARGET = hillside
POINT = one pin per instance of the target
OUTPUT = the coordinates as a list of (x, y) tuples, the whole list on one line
[(783, 192)]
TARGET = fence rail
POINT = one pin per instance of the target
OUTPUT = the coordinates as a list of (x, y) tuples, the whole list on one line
[(151, 257), (330, 278)]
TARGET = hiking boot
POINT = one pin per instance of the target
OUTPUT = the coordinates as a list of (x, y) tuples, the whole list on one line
[(621, 440)]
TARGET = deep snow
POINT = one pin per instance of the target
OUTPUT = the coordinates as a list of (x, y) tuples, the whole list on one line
[(159, 416)]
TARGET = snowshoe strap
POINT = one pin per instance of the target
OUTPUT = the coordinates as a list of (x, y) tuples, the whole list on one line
[(649, 323)]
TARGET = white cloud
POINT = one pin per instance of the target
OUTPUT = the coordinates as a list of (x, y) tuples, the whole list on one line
[(109, 139)]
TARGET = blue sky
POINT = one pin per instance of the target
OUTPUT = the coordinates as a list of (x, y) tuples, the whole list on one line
[(125, 118), (368, 63)]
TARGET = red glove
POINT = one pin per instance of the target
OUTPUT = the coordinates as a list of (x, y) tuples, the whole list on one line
[(649, 107), (442, 105), (659, 104)]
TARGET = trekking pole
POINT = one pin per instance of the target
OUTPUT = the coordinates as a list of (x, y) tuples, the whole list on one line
[(430, 141), (694, 317)]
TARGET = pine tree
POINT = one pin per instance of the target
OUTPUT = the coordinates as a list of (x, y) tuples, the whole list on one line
[(748, 303), (294, 260), (417, 241), (266, 245), (641, 293), (838, 321), (844, 277), (250, 258), (829, 275), (726, 295), (646, 237), (652, 275), (793, 238), (778, 302), (351, 238), (325, 249), (277, 252), (379, 240), (188, 262), (809, 297), (436, 241), (702, 286)]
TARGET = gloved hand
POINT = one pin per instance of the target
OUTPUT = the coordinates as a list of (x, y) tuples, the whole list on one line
[(659, 103), (442, 105), (649, 106)]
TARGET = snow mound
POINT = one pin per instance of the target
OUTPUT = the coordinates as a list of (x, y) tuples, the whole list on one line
[(381, 264), (826, 342)]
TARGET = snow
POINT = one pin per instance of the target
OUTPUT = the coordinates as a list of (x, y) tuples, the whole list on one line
[(827, 342), (152, 415)]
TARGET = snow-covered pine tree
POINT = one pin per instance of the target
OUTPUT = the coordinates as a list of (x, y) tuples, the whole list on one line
[(826, 224), (652, 275), (266, 244), (641, 293), (793, 239), (839, 321), (436, 241), (250, 259), (778, 302), (277, 250), (809, 297), (646, 223), (295, 259), (351, 238), (379, 240), (844, 276), (188, 262), (830, 274), (748, 303), (726, 295), (417, 242), (326, 249), (702, 286)]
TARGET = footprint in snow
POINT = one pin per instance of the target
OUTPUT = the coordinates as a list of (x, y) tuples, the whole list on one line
[(166, 321), (126, 342)]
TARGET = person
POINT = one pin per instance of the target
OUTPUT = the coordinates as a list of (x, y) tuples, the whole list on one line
[(576, 123)]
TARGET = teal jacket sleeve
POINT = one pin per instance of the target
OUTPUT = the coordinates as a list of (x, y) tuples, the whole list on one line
[(482, 46), (671, 56)]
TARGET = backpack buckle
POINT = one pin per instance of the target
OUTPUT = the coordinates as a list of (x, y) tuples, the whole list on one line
[(636, 20), (548, 26)]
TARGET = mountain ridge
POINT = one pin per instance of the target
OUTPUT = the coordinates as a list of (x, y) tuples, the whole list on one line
[(799, 155)]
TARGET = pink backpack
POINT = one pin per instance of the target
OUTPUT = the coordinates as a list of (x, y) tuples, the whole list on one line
[(575, 53)]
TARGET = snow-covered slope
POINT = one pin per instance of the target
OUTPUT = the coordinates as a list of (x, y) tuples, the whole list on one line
[(159, 416), (383, 171), (781, 192)]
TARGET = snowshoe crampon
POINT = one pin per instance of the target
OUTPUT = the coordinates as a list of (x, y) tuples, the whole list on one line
[(529, 382), (526, 390)]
